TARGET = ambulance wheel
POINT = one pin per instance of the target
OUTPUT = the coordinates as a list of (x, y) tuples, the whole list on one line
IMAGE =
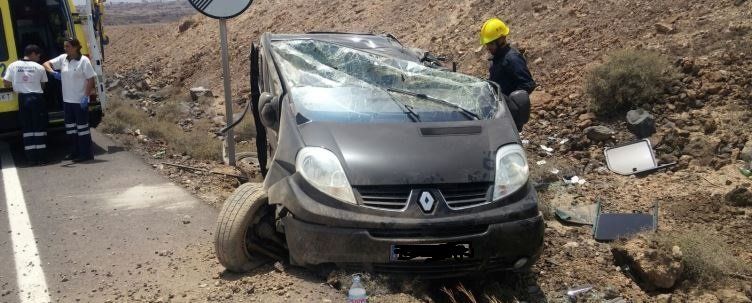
[(236, 241)]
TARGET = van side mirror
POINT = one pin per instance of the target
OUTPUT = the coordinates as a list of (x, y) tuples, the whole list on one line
[(268, 108), (519, 105)]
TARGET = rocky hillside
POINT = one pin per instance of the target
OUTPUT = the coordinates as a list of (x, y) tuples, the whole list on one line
[(704, 119), (121, 13)]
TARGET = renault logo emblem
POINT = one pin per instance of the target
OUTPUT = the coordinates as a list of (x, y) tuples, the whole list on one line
[(426, 201)]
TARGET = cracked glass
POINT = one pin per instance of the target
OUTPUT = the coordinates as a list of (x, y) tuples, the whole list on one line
[(332, 82)]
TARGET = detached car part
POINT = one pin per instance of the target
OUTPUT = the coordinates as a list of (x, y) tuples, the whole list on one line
[(633, 158), (613, 226)]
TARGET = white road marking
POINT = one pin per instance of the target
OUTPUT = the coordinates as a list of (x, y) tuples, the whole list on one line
[(31, 281)]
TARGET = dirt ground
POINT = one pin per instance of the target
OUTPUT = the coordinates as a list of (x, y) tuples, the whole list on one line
[(703, 123)]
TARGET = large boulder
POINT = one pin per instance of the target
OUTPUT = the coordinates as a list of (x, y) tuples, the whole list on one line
[(641, 123), (657, 268)]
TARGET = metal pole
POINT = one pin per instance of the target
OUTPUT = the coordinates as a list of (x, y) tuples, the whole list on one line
[(229, 137)]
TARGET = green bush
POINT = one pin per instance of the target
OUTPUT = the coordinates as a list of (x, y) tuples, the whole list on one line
[(628, 78)]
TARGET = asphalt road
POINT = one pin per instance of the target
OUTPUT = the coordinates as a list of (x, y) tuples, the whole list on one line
[(108, 230)]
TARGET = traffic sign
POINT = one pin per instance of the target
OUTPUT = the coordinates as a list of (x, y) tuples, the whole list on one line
[(221, 9)]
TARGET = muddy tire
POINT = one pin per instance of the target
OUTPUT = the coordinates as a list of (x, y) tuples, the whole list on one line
[(234, 228)]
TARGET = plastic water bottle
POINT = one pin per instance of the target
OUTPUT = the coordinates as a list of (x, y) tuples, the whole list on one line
[(357, 294)]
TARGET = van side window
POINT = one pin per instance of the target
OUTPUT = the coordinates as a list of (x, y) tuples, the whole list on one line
[(3, 42)]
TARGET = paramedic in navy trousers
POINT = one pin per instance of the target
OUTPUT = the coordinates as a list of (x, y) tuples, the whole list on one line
[(77, 76), (26, 76)]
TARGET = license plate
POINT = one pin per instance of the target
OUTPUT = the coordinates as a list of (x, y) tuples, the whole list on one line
[(433, 252), (4, 97)]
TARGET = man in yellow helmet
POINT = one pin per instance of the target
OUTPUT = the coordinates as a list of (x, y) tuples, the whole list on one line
[(508, 67)]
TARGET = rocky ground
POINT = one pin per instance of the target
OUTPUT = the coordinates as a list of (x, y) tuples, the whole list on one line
[(121, 13), (703, 122)]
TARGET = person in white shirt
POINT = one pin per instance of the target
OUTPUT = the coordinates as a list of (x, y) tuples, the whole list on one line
[(77, 76), (26, 76)]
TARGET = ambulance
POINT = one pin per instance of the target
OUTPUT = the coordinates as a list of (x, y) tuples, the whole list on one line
[(47, 23)]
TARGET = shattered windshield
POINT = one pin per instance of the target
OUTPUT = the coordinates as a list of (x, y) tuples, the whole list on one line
[(331, 82)]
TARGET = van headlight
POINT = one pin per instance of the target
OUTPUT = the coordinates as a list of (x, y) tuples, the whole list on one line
[(512, 171), (321, 168)]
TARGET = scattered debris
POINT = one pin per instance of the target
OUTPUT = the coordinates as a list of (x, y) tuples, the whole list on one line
[(279, 267), (641, 123), (583, 214), (572, 293), (159, 155), (244, 178), (654, 268), (599, 133), (541, 162), (745, 171), (574, 180), (357, 293), (546, 149), (633, 158), (613, 226)]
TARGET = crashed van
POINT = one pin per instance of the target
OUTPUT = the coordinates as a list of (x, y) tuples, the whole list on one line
[(377, 158)]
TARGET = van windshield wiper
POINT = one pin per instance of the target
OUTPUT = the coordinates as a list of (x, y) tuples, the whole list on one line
[(466, 112), (407, 109)]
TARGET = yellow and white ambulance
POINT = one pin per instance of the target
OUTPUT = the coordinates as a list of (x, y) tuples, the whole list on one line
[(47, 23)]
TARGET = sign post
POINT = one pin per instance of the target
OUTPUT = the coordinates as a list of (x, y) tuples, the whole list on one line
[(223, 10)]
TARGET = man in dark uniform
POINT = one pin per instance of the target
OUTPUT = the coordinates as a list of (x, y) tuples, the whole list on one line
[(27, 76), (508, 67)]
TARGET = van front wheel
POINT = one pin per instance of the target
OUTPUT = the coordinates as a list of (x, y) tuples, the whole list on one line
[(236, 232)]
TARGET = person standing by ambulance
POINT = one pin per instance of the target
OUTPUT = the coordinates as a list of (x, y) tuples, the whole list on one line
[(26, 76), (77, 76)]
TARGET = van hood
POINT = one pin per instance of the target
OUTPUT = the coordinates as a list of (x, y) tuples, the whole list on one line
[(413, 153)]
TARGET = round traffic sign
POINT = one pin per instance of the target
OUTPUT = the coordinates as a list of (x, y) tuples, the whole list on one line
[(221, 9)]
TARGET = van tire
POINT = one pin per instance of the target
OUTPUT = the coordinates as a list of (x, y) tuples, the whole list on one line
[(234, 225)]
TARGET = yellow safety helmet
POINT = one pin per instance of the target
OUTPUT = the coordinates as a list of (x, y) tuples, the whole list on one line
[(493, 29)]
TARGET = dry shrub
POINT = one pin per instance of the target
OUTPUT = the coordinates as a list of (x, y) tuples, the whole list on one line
[(198, 143), (707, 258), (246, 129), (169, 111), (628, 78)]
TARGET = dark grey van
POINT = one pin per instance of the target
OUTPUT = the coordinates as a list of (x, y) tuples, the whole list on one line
[(377, 158)]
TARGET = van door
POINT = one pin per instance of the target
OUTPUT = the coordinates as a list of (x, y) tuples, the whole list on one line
[(8, 55)]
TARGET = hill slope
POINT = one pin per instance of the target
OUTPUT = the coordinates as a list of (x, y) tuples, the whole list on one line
[(704, 120)]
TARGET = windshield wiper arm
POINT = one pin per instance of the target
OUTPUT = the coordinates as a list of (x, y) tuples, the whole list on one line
[(407, 109), (466, 112)]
